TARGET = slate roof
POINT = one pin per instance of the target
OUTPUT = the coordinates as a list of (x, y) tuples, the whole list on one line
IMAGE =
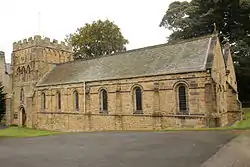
[(181, 57)]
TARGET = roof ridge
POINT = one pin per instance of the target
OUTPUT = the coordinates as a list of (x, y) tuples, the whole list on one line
[(176, 42), (161, 60)]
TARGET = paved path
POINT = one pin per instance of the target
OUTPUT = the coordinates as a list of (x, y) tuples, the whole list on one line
[(114, 149), (234, 154)]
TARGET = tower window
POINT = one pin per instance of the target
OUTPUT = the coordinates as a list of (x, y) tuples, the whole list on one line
[(28, 69), (22, 95)]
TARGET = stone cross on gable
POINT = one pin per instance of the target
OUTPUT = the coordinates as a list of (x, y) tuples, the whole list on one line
[(215, 29)]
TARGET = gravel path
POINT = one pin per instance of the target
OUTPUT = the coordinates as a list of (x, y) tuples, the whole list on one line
[(234, 154)]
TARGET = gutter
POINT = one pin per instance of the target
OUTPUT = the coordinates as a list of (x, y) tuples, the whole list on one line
[(121, 78)]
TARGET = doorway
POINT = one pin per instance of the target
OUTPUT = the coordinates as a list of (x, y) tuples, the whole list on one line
[(23, 113)]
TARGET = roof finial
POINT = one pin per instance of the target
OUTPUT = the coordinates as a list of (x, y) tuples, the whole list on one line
[(227, 44), (215, 32)]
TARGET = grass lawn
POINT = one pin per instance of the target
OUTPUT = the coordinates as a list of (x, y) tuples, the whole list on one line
[(245, 123), (247, 113), (27, 132), (24, 132)]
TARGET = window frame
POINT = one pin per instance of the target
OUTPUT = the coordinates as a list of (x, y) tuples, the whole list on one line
[(76, 101), (43, 101), (59, 102), (138, 109), (22, 96), (101, 99), (179, 109)]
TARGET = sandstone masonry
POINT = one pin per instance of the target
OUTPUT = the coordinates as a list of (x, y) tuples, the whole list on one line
[(188, 84)]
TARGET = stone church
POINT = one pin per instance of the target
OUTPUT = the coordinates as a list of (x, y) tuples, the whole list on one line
[(189, 83)]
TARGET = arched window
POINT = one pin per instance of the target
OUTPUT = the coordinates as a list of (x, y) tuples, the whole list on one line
[(138, 100), (76, 98), (22, 95), (43, 101), (182, 94), (208, 93), (23, 73), (23, 70), (28, 69), (19, 72), (59, 101), (104, 100)]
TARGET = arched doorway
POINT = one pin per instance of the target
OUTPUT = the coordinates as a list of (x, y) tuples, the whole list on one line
[(23, 116)]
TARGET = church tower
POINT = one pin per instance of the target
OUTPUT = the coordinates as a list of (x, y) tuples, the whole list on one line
[(32, 58)]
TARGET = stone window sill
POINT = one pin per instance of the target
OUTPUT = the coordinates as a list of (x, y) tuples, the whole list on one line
[(104, 112), (139, 112), (183, 113)]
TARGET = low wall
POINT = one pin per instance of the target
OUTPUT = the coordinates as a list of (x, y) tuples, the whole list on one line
[(83, 122), (230, 118)]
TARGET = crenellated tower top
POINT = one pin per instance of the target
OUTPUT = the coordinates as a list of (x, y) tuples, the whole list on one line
[(37, 40)]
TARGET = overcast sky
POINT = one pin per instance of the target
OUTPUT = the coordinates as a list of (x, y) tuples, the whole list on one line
[(138, 19)]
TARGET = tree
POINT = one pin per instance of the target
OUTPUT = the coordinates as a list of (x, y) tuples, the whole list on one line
[(231, 17), (97, 39), (2, 102)]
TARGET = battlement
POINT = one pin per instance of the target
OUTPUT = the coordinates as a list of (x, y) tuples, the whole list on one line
[(37, 40)]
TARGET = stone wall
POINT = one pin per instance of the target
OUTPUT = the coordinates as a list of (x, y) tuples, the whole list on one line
[(234, 111), (159, 103), (230, 71), (45, 42), (4, 76), (32, 59), (207, 92), (224, 89), (229, 118), (85, 122), (5, 80), (218, 73), (233, 102), (163, 98)]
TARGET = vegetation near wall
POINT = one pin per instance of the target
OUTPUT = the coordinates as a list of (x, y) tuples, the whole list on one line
[(229, 17)]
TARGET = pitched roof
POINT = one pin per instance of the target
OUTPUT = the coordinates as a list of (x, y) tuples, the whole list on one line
[(181, 57)]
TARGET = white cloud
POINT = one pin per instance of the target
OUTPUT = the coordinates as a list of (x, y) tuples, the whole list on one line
[(138, 19)]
